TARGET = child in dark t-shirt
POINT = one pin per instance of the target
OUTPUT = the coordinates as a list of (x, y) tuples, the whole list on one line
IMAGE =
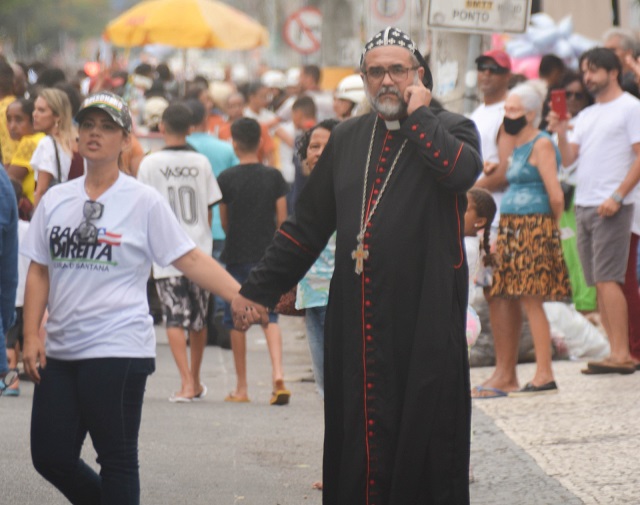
[(253, 207)]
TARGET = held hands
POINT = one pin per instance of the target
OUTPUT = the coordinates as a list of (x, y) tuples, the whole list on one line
[(32, 354), (416, 96), (245, 313)]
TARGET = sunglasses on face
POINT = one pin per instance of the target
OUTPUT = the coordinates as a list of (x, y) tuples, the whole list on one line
[(87, 231), (576, 95), (491, 67)]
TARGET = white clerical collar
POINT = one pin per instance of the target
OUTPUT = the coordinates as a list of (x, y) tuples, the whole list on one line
[(392, 125)]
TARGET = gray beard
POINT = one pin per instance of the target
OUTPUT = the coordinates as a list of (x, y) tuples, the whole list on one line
[(388, 110)]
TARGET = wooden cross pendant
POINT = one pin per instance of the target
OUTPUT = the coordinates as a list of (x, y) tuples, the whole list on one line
[(359, 254)]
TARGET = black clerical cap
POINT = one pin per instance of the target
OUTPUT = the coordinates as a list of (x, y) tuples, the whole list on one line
[(391, 36)]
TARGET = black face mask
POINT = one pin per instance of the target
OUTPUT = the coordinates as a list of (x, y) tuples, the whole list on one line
[(514, 126)]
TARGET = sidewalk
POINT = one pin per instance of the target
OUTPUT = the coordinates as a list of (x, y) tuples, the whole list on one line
[(577, 447)]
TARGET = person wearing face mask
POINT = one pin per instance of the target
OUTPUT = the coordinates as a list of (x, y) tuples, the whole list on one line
[(530, 268)]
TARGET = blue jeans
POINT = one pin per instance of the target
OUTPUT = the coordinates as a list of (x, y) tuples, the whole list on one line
[(102, 397), (314, 321)]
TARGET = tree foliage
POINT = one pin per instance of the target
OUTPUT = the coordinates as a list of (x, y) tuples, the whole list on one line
[(31, 25)]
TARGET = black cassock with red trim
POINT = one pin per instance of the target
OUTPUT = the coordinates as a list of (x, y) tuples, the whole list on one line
[(397, 406)]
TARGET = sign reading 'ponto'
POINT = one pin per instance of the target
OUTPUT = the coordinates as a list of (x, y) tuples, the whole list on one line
[(483, 16)]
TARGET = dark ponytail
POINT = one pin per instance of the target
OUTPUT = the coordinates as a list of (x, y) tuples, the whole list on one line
[(485, 207)]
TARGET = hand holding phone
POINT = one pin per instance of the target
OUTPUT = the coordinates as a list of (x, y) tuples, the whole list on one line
[(559, 103)]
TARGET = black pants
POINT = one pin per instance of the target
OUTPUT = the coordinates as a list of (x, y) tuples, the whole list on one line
[(102, 397)]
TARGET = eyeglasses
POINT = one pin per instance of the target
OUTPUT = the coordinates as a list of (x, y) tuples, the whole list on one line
[(492, 68), (87, 231), (397, 73), (576, 95)]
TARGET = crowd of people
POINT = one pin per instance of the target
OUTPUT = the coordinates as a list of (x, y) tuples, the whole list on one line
[(373, 208)]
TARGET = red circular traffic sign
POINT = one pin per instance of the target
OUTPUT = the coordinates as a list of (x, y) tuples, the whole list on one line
[(302, 30)]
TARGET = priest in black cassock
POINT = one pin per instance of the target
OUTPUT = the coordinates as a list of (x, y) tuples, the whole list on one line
[(393, 184)]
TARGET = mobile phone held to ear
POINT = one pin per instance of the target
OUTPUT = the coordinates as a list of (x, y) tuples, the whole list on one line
[(559, 103)]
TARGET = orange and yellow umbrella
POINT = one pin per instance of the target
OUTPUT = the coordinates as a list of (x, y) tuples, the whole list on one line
[(186, 24)]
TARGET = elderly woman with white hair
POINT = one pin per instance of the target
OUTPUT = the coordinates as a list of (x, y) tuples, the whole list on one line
[(530, 268)]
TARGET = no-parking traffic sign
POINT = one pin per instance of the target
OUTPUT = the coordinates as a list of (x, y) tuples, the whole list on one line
[(302, 30)]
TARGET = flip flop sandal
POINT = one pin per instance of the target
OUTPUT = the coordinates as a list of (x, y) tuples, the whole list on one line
[(281, 395), (180, 399), (202, 394), (231, 398), (494, 393), (604, 367), (10, 377)]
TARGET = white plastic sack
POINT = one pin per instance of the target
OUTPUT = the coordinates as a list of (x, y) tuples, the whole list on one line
[(582, 339)]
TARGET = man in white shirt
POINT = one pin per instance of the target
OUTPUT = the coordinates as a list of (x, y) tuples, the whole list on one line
[(185, 178), (605, 142), (494, 72)]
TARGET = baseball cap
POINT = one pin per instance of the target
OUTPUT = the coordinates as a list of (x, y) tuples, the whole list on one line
[(499, 57), (109, 102)]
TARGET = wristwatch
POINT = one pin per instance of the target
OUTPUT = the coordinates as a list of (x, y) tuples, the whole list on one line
[(617, 197)]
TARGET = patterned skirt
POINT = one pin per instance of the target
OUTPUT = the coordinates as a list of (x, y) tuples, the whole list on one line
[(529, 259)]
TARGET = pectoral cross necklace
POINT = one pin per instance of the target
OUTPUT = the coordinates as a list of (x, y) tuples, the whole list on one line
[(360, 254)]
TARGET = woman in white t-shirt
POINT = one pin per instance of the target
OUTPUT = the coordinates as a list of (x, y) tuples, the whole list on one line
[(91, 243), (51, 161)]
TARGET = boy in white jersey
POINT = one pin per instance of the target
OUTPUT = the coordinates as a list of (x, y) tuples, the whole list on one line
[(185, 179)]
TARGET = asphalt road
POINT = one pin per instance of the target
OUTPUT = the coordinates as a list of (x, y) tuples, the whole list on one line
[(217, 453)]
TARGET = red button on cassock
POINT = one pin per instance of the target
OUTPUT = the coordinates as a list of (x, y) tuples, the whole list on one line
[(370, 385), (367, 303), (387, 149), (368, 326), (445, 163), (422, 135), (436, 154), (375, 191), (428, 145), (369, 338), (414, 127)]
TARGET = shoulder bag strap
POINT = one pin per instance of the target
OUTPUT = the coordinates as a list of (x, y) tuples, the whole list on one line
[(55, 148)]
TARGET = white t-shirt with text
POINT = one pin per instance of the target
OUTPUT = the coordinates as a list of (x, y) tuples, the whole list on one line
[(185, 180), (98, 293)]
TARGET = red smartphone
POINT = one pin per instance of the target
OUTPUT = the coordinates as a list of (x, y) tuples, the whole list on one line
[(559, 103)]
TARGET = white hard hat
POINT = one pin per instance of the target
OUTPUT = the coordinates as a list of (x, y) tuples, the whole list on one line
[(293, 77), (274, 79), (351, 88)]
